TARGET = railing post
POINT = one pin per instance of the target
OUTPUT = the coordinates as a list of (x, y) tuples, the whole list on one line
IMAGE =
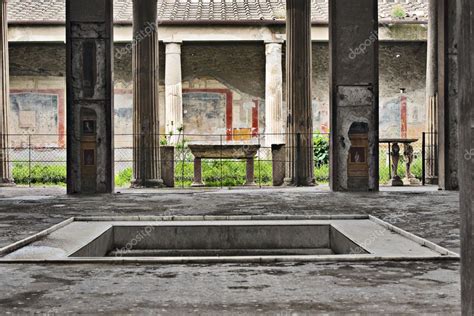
[(29, 161), (423, 159), (221, 163)]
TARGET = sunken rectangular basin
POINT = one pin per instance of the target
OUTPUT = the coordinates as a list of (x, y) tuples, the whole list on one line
[(222, 239)]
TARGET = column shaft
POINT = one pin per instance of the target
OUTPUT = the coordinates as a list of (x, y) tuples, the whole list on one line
[(174, 92), (5, 176), (432, 94), (466, 149), (448, 108), (89, 58), (299, 139), (274, 125), (146, 147)]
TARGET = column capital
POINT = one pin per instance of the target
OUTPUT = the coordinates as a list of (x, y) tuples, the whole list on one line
[(274, 41), (172, 41), (173, 47)]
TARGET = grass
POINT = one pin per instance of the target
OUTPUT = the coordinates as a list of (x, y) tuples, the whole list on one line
[(215, 173)]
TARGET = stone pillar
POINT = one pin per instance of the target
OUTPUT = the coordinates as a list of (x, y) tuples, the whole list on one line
[(274, 126), (465, 36), (146, 146), (5, 176), (299, 126), (174, 92), (354, 95), (197, 182), (278, 164), (167, 165), (432, 94), (448, 113), (89, 60), (250, 172)]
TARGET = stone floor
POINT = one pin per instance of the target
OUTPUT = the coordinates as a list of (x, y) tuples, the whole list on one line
[(287, 289)]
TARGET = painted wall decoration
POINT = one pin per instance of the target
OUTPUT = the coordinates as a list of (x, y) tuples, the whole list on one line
[(205, 112), (390, 118), (221, 111), (39, 113)]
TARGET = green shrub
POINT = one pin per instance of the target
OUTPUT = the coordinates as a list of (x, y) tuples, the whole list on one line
[(39, 174), (321, 150), (398, 12), (124, 177)]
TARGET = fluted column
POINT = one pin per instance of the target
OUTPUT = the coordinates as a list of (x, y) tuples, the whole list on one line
[(464, 37), (299, 140), (432, 94), (5, 177), (146, 145), (174, 92), (274, 126)]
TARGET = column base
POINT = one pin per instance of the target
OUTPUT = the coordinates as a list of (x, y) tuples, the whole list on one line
[(198, 184), (289, 182), (411, 181), (250, 184), (149, 183), (7, 183), (432, 180), (396, 182)]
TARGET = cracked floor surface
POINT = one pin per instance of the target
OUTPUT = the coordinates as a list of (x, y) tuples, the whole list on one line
[(379, 287)]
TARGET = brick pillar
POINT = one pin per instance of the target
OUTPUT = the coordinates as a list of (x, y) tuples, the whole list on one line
[(89, 45), (173, 92), (146, 145), (354, 95), (299, 140), (274, 126), (465, 35), (5, 176)]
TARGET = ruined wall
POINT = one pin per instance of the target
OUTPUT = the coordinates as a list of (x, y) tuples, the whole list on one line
[(212, 70)]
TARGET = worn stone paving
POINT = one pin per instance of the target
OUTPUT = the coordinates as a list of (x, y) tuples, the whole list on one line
[(287, 289)]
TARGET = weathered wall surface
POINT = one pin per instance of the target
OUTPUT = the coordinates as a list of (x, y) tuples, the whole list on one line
[(212, 70), (402, 65)]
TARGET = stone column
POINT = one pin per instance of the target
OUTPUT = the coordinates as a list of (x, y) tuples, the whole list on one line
[(299, 126), (174, 92), (250, 172), (5, 176), (448, 109), (274, 123), (197, 182), (89, 60), (146, 145), (432, 94), (354, 95), (465, 36)]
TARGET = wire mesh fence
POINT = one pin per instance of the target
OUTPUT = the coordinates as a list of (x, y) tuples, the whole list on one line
[(225, 160)]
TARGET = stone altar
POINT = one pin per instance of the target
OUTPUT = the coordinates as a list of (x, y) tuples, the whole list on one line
[(224, 151)]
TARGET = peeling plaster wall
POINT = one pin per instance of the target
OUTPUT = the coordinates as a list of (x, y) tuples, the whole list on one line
[(240, 68)]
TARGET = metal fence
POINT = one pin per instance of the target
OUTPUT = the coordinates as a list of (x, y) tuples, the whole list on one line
[(41, 159)]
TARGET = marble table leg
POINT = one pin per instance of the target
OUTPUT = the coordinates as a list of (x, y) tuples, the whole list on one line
[(396, 181), (250, 172), (409, 179), (197, 173)]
